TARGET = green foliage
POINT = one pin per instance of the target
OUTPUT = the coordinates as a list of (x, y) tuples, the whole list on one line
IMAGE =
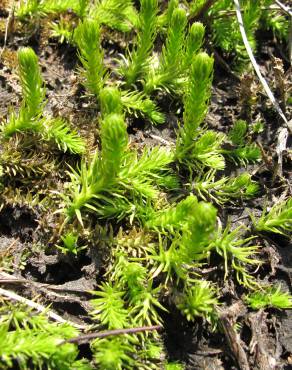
[(225, 189), (174, 366), (244, 151), (62, 30), (18, 123), (109, 308), (197, 96), (88, 184), (249, 153), (40, 8), (64, 137), (30, 114), (33, 93), (164, 19), (205, 151), (190, 237), (138, 60), (32, 84), (233, 247), (139, 104), (257, 16), (199, 300), (226, 33), (116, 14), (113, 353), (269, 297), (196, 147), (238, 132), (70, 243), (29, 8), (278, 220), (200, 230), (170, 65), (115, 172), (142, 298), (30, 341), (174, 217), (194, 42), (87, 37)]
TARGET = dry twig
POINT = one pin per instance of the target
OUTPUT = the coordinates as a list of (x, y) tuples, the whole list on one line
[(38, 307)]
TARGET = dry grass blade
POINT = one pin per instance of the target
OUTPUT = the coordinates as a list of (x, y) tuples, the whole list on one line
[(256, 66), (38, 307)]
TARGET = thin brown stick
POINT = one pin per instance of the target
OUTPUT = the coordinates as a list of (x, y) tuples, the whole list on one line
[(104, 334), (255, 64), (284, 7)]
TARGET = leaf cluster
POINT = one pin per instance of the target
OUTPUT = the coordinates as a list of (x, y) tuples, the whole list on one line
[(269, 297), (278, 220), (116, 181), (31, 115)]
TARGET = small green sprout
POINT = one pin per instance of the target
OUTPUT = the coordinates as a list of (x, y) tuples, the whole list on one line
[(139, 104), (196, 147), (70, 243), (169, 70), (33, 92), (269, 297), (199, 301), (225, 189), (277, 220), (238, 132), (244, 151), (87, 37), (194, 42), (116, 14), (234, 248), (109, 307), (31, 114), (174, 366), (138, 60), (113, 353)]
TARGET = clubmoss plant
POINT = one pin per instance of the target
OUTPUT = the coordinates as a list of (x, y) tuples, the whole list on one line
[(269, 297), (191, 226), (31, 115), (244, 150), (225, 189), (138, 60), (31, 341), (199, 300), (33, 93), (169, 69), (41, 8), (196, 147), (116, 14), (109, 307), (116, 353), (70, 243), (114, 172), (278, 220), (138, 104), (164, 19), (194, 43), (87, 37), (233, 247)]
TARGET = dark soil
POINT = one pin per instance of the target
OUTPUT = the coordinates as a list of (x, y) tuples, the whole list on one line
[(26, 232)]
